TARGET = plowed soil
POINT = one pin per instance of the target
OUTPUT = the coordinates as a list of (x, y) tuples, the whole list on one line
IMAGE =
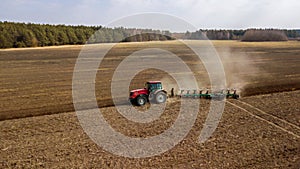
[(39, 128)]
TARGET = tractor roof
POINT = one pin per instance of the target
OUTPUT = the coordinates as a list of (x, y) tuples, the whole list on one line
[(154, 82)]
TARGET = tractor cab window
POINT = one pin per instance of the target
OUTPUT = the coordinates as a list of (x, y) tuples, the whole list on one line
[(158, 86), (153, 86)]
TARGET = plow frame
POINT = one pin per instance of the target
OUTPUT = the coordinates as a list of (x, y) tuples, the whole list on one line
[(207, 94)]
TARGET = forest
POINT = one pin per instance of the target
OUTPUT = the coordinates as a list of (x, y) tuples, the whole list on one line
[(16, 35)]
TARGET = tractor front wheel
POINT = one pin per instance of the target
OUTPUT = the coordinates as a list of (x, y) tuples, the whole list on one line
[(141, 100)]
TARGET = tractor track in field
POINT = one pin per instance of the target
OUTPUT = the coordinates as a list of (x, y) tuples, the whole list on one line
[(272, 120), (263, 112)]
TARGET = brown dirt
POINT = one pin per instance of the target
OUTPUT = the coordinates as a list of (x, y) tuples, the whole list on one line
[(39, 82), (240, 141)]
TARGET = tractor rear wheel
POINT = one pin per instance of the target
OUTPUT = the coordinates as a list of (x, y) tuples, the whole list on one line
[(141, 100), (160, 97)]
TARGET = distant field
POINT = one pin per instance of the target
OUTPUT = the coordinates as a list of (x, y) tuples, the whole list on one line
[(260, 130)]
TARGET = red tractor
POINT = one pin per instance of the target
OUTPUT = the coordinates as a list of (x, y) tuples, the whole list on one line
[(153, 92)]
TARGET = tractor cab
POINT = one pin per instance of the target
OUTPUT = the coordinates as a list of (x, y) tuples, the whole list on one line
[(153, 86)]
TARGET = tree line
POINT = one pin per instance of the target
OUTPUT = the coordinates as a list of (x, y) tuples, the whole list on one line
[(33, 35), (244, 35), (214, 34), (15, 35), (256, 35)]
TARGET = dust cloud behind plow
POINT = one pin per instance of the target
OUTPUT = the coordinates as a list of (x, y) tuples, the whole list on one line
[(239, 69)]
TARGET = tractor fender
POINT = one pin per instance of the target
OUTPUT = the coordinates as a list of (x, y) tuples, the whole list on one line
[(142, 95), (134, 98), (157, 91)]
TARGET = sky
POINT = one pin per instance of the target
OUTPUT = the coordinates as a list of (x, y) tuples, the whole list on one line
[(204, 14)]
